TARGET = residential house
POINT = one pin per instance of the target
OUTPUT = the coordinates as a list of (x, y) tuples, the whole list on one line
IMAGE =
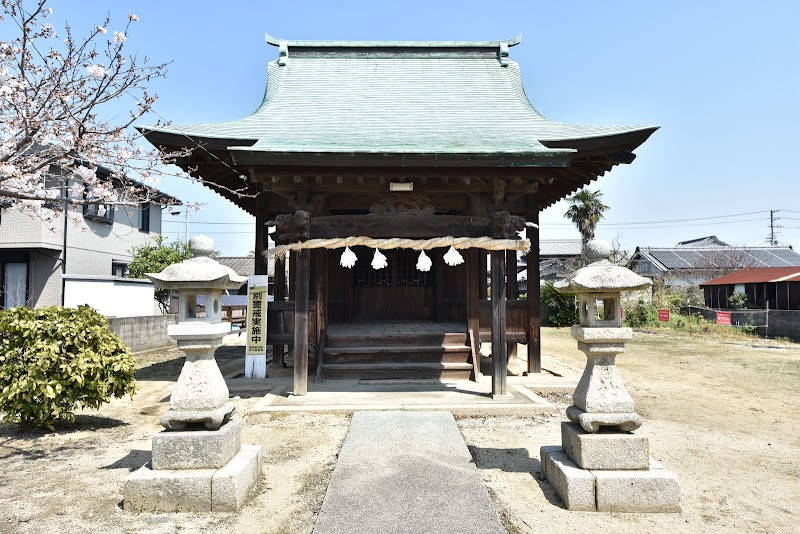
[(51, 259), (696, 261), (555, 256)]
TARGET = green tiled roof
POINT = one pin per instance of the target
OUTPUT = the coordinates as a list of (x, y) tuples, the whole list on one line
[(424, 102)]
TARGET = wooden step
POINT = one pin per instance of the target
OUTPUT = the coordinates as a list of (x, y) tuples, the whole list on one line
[(357, 371), (408, 354), (366, 340)]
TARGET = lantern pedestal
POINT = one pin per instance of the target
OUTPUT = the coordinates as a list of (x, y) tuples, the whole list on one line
[(601, 465), (198, 461), (201, 394), (198, 471)]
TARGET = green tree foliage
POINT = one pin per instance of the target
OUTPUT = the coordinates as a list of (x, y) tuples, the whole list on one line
[(564, 306), (56, 360), (585, 210), (740, 301), (154, 257), (640, 314)]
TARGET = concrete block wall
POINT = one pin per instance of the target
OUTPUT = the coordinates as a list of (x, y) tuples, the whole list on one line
[(144, 333), (784, 323)]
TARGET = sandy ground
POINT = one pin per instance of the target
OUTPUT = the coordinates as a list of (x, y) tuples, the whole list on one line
[(722, 415)]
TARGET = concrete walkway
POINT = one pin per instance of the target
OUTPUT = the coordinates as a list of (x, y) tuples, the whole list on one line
[(406, 472)]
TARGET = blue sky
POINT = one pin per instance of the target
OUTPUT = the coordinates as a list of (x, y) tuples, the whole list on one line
[(720, 78)]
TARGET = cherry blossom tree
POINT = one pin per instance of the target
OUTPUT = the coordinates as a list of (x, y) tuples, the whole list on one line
[(57, 126)]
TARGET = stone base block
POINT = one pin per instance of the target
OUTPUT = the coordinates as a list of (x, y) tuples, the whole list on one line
[(605, 450), (194, 490), (231, 485), (652, 490), (203, 449), (574, 485), (187, 490)]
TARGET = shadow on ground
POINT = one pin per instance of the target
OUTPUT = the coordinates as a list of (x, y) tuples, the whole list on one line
[(514, 461), (131, 461)]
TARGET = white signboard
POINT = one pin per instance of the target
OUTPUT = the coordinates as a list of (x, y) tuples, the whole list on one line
[(255, 359)]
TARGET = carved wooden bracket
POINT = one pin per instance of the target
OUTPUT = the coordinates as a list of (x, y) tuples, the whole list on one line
[(291, 227), (506, 226)]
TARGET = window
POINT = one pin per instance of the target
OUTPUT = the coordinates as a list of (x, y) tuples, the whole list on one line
[(119, 268), (14, 284), (144, 216), (99, 212)]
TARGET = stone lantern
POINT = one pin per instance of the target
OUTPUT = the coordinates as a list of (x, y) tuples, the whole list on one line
[(602, 465), (201, 395), (198, 463)]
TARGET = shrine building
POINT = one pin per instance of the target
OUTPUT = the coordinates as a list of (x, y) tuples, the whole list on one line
[(402, 178)]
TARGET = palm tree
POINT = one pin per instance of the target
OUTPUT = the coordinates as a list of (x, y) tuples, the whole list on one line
[(585, 210)]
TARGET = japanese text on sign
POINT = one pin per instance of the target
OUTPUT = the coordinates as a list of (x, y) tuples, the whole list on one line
[(257, 321)]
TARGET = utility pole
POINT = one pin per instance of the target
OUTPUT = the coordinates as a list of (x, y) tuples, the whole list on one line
[(772, 239)]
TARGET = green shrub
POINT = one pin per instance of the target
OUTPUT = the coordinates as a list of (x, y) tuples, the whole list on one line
[(740, 301), (564, 306), (641, 314), (56, 360)]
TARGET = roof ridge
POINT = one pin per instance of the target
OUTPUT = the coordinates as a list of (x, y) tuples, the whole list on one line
[(275, 41)]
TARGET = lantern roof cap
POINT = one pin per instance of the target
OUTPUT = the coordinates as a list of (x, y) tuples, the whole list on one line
[(601, 276), (201, 271)]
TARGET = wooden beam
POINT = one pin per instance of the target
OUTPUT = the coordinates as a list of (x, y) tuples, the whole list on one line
[(534, 333), (473, 311), (301, 323), (369, 173), (499, 356), (411, 226)]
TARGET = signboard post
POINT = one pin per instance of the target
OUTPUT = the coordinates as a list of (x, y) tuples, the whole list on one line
[(663, 315), (724, 317), (255, 359)]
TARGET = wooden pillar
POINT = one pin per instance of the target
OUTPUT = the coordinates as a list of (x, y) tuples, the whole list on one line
[(473, 311), (512, 290), (301, 322), (321, 261), (292, 274), (499, 358), (280, 296), (262, 237), (534, 333)]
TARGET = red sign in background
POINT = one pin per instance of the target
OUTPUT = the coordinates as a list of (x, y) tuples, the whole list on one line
[(663, 315), (723, 317)]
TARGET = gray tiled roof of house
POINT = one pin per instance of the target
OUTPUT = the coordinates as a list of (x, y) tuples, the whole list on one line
[(427, 100), (709, 241), (679, 258), (560, 247), (243, 265)]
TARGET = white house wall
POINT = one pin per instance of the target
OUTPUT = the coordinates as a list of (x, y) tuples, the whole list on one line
[(111, 296)]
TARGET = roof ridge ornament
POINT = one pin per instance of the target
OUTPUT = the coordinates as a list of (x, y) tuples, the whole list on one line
[(283, 53), (502, 54)]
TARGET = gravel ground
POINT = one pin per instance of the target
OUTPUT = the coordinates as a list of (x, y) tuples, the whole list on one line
[(720, 414)]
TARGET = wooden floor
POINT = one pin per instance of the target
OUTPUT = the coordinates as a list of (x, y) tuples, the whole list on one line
[(403, 328)]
